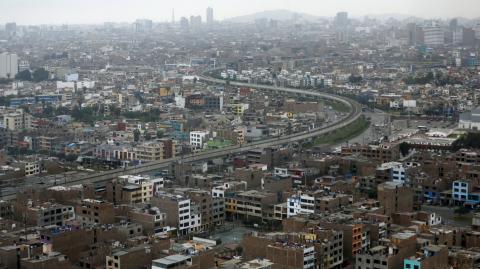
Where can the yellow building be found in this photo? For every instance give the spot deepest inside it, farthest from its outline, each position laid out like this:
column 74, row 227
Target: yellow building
column 165, row 91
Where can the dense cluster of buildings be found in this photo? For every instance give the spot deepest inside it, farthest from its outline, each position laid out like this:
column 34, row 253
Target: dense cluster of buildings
column 119, row 96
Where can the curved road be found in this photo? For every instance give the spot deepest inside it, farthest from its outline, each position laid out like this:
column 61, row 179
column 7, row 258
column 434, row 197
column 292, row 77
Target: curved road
column 102, row 177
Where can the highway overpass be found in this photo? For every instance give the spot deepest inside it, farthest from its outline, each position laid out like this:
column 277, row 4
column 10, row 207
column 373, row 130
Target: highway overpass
column 101, row 178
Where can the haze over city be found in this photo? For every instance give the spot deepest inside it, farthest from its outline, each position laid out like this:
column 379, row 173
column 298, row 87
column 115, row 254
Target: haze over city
column 92, row 11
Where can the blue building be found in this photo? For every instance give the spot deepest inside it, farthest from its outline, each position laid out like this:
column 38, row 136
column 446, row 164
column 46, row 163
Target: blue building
column 48, row 98
column 15, row 102
column 462, row 194
column 411, row 264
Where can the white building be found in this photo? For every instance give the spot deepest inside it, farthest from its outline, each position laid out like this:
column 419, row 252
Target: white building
column 158, row 184
column 85, row 84
column 17, row 121
column 66, row 85
column 219, row 191
column 433, row 36
column 8, row 65
column 397, row 171
column 71, row 77
column 189, row 220
column 32, row 168
column 198, row 138
column 280, row 171
column 179, row 101
column 470, row 120
column 300, row 204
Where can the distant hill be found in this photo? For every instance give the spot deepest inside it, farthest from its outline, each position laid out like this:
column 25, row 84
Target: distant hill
column 280, row 15
column 386, row 16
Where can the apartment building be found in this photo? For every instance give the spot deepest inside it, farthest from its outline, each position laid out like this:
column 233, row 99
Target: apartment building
column 204, row 201
column 316, row 203
column 95, row 212
column 329, row 247
column 251, row 204
column 52, row 260
column 429, row 257
column 383, row 153
column 395, row 197
column 32, row 168
column 291, row 255
column 130, row 191
column 181, row 212
column 388, row 256
column 155, row 150
column 198, row 139
column 17, row 121
column 47, row 214
column 46, row 143
column 227, row 188
column 118, row 152
column 136, row 257
column 152, row 219
column 465, row 192
column 280, row 211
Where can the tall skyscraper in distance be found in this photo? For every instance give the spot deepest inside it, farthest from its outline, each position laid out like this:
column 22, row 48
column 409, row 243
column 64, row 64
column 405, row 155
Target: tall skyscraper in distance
column 8, row 65
column 209, row 15
column 184, row 23
column 341, row 20
column 195, row 22
column 453, row 23
column 173, row 15
column 11, row 28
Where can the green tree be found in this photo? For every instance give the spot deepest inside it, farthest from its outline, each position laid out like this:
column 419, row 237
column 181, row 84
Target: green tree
column 48, row 111
column 5, row 80
column 160, row 133
column 25, row 75
column 372, row 194
column 404, row 148
column 4, row 101
column 40, row 74
column 115, row 111
column 355, row 79
column 470, row 140
column 136, row 135
column 62, row 111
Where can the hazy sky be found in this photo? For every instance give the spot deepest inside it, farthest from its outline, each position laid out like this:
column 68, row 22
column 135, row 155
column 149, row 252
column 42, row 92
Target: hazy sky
column 94, row 11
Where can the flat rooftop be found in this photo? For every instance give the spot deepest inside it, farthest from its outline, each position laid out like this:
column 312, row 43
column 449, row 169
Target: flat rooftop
column 172, row 259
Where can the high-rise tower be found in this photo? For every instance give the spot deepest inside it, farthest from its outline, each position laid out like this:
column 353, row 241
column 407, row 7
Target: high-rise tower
column 209, row 15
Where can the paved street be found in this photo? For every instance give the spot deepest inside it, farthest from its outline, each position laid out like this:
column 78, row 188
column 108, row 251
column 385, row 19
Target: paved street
column 377, row 117
column 449, row 216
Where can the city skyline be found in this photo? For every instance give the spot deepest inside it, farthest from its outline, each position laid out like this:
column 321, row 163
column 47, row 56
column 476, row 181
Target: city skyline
column 29, row 12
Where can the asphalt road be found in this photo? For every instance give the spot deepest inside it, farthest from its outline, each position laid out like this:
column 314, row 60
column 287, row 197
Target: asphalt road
column 369, row 135
column 448, row 215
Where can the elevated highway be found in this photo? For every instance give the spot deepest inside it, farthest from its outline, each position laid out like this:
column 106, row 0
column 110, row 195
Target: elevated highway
column 100, row 178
